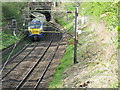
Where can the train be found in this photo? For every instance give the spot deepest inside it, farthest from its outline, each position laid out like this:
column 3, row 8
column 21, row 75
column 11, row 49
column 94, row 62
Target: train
column 35, row 26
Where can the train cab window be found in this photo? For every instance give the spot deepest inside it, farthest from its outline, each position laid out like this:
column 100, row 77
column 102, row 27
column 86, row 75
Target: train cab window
column 35, row 25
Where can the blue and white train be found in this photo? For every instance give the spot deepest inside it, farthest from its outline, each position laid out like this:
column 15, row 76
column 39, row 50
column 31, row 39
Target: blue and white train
column 35, row 26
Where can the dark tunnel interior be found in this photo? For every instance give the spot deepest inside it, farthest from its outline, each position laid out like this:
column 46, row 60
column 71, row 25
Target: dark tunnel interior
column 46, row 13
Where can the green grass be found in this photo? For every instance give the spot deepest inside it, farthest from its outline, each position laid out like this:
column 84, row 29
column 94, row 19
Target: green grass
column 65, row 23
column 3, row 23
column 67, row 59
column 65, row 63
column 114, row 85
column 7, row 40
column 19, row 47
column 10, row 10
column 106, row 11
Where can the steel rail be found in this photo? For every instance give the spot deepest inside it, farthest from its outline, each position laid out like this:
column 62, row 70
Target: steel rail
column 46, row 68
column 31, row 69
column 15, row 45
column 19, row 52
column 48, row 23
column 19, row 62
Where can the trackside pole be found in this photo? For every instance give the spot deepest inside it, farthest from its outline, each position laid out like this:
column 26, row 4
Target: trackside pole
column 75, row 39
column 75, row 33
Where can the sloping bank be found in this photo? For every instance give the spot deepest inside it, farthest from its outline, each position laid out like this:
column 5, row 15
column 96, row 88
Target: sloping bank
column 67, row 60
column 97, row 58
column 10, row 10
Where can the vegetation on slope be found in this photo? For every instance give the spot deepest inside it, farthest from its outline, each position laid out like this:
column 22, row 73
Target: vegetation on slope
column 97, row 52
column 10, row 10
column 108, row 12
column 67, row 60
column 7, row 40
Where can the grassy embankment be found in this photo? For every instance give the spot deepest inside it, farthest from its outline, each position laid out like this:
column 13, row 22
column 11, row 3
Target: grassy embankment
column 67, row 59
column 106, row 42
column 19, row 47
column 10, row 10
column 97, row 54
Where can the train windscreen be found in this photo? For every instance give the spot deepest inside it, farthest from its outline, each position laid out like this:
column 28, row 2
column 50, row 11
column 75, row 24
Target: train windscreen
column 34, row 25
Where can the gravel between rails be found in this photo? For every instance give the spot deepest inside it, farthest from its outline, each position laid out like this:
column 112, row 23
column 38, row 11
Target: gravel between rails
column 17, row 59
column 56, row 61
column 17, row 74
column 39, row 69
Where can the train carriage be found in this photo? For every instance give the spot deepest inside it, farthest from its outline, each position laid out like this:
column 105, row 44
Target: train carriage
column 35, row 27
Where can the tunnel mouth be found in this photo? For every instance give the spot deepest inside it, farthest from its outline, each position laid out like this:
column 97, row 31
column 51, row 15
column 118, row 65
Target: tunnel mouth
column 46, row 13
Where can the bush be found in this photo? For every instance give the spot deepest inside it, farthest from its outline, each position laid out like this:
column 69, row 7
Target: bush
column 12, row 9
column 106, row 11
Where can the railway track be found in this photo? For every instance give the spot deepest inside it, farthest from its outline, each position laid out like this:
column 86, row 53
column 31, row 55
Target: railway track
column 28, row 71
column 18, row 62
column 23, row 61
column 14, row 56
column 38, row 73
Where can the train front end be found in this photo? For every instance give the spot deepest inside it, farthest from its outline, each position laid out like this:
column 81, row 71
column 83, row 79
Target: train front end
column 35, row 30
